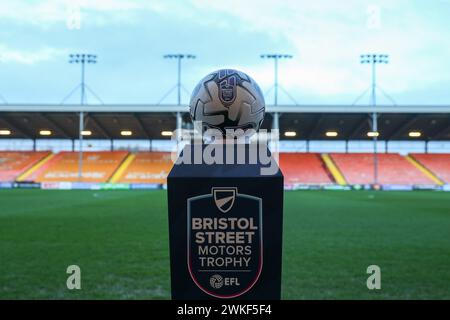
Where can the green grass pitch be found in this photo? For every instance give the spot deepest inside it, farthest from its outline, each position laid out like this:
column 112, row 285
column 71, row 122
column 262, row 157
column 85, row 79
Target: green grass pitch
column 120, row 241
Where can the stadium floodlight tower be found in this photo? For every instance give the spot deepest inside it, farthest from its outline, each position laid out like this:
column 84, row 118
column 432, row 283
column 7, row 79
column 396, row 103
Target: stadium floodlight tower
column 178, row 57
column 276, row 57
column 374, row 59
column 82, row 59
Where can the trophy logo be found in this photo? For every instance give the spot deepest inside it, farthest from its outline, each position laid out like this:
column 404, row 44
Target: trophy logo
column 224, row 242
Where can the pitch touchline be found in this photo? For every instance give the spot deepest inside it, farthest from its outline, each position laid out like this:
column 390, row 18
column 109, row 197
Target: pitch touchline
column 224, row 270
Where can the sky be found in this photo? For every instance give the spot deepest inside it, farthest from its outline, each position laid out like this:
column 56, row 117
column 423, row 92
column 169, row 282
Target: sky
column 130, row 38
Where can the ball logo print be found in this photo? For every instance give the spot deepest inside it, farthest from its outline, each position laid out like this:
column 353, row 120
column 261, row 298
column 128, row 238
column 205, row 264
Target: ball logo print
column 224, row 242
column 227, row 99
column 227, row 86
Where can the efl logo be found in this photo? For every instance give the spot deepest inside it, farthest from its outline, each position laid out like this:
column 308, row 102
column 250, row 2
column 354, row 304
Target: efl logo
column 216, row 281
column 225, row 244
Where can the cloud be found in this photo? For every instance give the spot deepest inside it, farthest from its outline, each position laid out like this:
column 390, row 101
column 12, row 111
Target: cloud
column 327, row 38
column 46, row 13
column 8, row 54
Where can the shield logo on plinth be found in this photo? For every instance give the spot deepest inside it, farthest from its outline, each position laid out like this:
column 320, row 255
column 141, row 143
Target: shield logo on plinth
column 224, row 198
column 224, row 242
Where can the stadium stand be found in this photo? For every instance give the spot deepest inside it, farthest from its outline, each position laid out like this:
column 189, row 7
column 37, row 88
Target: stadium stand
column 305, row 168
column 438, row 164
column 153, row 167
column 13, row 164
column 97, row 167
column 394, row 169
column 147, row 167
column 333, row 169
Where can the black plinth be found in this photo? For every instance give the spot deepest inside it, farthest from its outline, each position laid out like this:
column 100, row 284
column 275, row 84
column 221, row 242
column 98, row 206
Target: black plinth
column 225, row 226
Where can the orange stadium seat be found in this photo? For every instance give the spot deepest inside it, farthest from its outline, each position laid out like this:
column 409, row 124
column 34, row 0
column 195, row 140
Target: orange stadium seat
column 439, row 164
column 393, row 169
column 97, row 167
column 148, row 167
column 12, row 164
column 304, row 168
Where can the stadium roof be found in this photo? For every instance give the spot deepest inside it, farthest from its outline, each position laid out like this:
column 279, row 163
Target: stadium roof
column 148, row 122
column 341, row 108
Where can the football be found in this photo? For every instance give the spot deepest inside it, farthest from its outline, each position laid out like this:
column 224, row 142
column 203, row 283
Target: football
column 227, row 99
